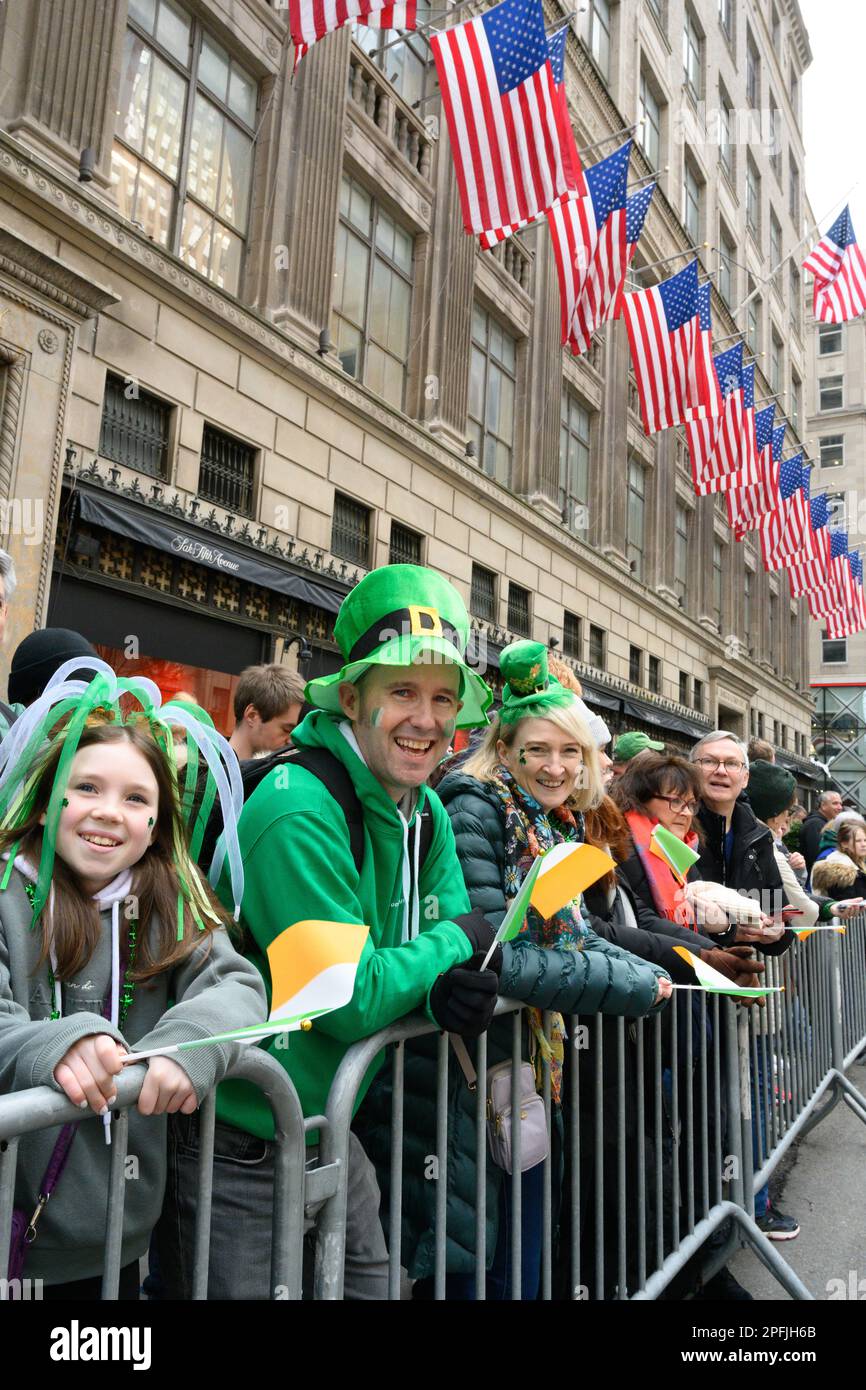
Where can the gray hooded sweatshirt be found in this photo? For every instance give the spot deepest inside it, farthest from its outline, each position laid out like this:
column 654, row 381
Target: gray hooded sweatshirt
column 213, row 990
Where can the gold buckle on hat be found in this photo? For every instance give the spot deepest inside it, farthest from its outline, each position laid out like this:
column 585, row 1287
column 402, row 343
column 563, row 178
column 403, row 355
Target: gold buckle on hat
column 424, row 622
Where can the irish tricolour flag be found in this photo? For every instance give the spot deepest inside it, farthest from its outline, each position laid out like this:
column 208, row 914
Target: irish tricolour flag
column 717, row 983
column 556, row 878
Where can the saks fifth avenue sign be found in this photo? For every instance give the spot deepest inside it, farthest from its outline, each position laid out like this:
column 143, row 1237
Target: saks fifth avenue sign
column 206, row 554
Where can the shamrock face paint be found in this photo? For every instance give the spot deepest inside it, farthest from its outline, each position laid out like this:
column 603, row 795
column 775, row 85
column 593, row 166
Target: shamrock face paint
column 448, row 728
column 376, row 717
column 521, row 757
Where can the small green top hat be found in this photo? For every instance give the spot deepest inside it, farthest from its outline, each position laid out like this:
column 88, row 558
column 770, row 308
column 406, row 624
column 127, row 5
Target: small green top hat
column 403, row 615
column 530, row 689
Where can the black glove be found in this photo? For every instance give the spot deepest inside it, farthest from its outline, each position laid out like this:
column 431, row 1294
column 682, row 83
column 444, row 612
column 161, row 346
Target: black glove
column 476, row 926
column 463, row 999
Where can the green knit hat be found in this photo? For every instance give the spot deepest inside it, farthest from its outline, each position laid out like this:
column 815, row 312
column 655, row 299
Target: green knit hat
column 530, row 690
column 771, row 788
column 403, row 615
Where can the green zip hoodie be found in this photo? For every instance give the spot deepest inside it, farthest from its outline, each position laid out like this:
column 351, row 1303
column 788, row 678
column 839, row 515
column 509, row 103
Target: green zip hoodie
column 298, row 866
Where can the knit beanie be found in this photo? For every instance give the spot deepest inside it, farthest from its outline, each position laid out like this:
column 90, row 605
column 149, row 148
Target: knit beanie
column 771, row 788
column 38, row 657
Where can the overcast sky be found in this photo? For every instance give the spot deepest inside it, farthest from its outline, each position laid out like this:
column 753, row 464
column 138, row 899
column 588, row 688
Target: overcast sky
column 834, row 109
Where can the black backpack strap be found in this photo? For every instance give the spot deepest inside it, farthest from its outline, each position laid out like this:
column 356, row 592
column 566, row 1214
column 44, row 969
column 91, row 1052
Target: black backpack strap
column 335, row 777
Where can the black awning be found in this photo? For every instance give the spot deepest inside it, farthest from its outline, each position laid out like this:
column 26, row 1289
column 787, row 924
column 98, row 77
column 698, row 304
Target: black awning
column 808, row 774
column 594, row 696
column 662, row 719
column 151, row 528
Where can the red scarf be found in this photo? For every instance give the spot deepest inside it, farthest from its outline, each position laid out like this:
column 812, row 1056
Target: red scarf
column 667, row 893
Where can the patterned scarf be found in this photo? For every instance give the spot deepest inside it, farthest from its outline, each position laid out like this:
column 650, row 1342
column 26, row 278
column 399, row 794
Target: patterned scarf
column 667, row 894
column 529, row 831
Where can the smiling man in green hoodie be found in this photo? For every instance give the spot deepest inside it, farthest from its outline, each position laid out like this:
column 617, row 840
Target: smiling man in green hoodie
column 386, row 719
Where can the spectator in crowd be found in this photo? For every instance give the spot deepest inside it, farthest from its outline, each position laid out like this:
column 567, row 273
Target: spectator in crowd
column 760, row 748
column 528, row 787
column 597, row 727
column 378, row 728
column 36, row 659
column 829, row 806
column 8, row 584
column 840, row 868
column 267, row 706
column 628, row 746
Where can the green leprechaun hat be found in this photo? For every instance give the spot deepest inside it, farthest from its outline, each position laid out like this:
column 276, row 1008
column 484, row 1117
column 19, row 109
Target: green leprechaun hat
column 403, row 615
column 530, row 689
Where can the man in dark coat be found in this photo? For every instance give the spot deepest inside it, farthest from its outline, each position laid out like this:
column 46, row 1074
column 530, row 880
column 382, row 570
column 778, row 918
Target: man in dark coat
column 829, row 806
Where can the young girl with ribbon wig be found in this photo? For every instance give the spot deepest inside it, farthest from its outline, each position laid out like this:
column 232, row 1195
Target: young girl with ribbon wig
column 110, row 942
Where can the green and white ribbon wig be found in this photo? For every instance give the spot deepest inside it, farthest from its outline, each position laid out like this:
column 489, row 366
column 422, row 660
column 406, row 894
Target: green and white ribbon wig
column 76, row 701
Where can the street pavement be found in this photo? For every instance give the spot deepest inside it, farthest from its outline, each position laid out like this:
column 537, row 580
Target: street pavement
column 822, row 1182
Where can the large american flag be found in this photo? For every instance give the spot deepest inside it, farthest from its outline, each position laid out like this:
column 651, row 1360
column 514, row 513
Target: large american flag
column 830, row 597
column 667, row 351
column 715, row 442
column 839, row 268
column 783, row 529
column 850, row 617
column 705, row 347
column 310, row 20
column 808, row 569
column 749, row 502
column 500, row 103
column 574, row 171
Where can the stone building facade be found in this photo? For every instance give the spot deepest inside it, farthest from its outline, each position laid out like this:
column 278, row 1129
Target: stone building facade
column 280, row 360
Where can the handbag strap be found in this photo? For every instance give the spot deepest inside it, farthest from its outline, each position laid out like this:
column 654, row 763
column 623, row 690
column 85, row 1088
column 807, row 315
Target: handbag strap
column 461, row 1052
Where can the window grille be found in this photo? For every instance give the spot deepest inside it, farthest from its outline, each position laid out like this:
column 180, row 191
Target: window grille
column 405, row 547
column 518, row 610
column 134, row 428
column 226, row 476
column 350, row 531
column 571, row 636
column 482, row 600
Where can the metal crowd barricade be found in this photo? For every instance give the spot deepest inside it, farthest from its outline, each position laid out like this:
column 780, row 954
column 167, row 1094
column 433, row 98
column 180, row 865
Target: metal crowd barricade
column 673, row 1124
column 42, row 1108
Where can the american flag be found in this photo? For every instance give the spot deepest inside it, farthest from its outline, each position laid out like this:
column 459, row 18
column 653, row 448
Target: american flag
column 715, row 442
column 310, row 20
column 851, row 616
column 705, row 347
column 574, row 170
column 783, row 529
column 808, row 569
column 500, row 103
column 839, row 268
column 590, row 239
column 831, row 596
column 667, row 352
column 747, row 504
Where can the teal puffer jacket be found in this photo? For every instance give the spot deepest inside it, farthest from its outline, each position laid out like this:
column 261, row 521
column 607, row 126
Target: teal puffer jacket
column 599, row 978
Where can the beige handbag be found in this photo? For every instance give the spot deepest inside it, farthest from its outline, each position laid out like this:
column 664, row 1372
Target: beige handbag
column 534, row 1139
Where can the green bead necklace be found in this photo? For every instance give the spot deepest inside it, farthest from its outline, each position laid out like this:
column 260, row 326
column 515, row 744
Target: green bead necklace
column 127, row 991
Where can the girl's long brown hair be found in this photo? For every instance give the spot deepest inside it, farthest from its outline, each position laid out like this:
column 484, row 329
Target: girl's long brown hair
column 155, row 883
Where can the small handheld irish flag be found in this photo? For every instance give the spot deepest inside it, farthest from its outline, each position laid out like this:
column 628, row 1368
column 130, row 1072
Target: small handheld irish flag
column 802, row 932
column 717, row 983
column 557, row 877
column 313, row 966
column 673, row 851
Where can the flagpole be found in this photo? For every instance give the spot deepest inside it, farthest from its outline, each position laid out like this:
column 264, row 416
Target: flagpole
column 626, row 130
column 692, row 251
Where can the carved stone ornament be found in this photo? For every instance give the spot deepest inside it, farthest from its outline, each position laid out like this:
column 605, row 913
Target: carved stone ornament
column 272, row 46
column 48, row 341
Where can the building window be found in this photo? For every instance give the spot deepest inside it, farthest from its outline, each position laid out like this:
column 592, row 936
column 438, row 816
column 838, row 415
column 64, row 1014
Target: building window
column 726, row 140
column 753, row 74
column 599, row 34
column 775, row 150
column 783, row 739
column 681, row 553
column 776, row 251
column 796, row 299
column 753, row 199
column 726, row 18
column 372, row 293
column 794, row 194
column 829, row 339
column 573, row 462
column 405, row 546
column 518, row 610
column 773, row 624
column 834, row 651
column 596, row 646
column 134, row 428
column 776, row 358
column 571, row 635
column 227, row 472
column 830, row 389
column 693, row 42
column 404, row 63
column 656, row 7
column 350, row 531
column 832, row 448
column 684, row 688
column 649, row 123
column 636, row 517
column 184, row 178
column 482, row 599
column 491, row 395
column 717, row 584
column 698, row 701
column 760, row 725
column 691, row 203
column 775, row 733
column 796, row 401
column 753, row 319
column 654, row 675
column 727, row 266
column 635, row 665
column 747, row 611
